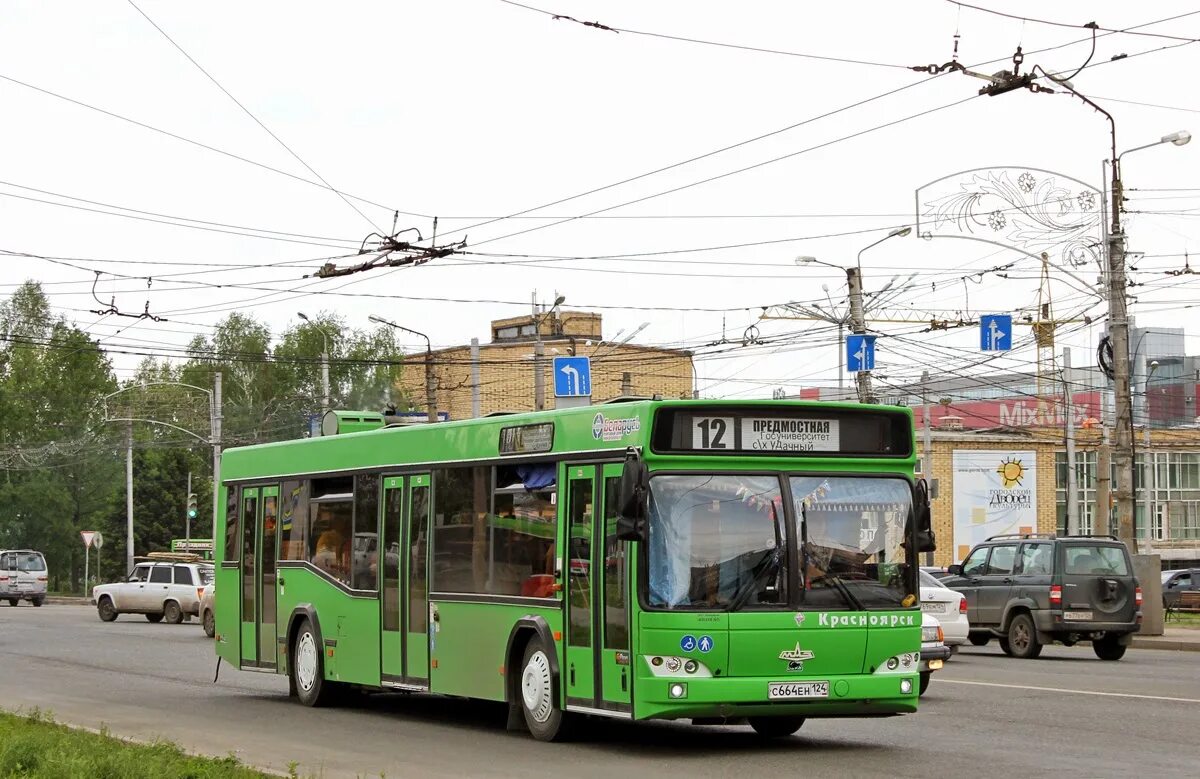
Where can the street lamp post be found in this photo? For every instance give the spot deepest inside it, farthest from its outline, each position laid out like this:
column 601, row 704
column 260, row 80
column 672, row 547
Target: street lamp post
column 1118, row 324
column 430, row 388
column 539, row 353
column 324, row 367
column 857, row 319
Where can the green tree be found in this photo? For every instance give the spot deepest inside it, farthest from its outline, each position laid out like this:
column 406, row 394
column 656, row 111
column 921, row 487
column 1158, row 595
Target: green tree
column 57, row 454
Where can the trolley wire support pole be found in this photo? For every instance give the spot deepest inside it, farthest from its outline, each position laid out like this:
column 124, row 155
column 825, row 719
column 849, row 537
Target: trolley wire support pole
column 858, row 326
column 927, row 443
column 129, row 496
column 216, row 447
column 430, row 381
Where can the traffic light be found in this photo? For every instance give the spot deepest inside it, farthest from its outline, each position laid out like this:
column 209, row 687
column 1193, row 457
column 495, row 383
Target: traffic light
column 191, row 510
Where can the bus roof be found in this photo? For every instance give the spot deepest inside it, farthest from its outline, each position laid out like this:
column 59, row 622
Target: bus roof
column 603, row 429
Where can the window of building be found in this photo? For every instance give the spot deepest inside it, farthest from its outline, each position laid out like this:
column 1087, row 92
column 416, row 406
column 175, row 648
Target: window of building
column 293, row 520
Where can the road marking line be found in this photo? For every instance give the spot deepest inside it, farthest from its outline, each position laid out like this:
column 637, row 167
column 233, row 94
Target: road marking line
column 1074, row 692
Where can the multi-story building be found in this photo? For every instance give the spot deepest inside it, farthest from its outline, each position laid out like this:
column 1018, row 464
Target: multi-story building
column 1015, row 480
column 479, row 379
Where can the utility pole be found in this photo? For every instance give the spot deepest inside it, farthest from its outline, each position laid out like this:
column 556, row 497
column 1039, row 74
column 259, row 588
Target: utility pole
column 1118, row 329
column 216, row 445
column 324, row 367
column 927, row 444
column 475, row 401
column 430, row 381
column 187, row 512
column 539, row 379
column 129, row 497
column 858, row 326
column 1069, row 424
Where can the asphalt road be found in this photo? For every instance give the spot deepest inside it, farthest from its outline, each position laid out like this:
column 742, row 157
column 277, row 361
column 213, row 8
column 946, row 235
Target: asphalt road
column 984, row 715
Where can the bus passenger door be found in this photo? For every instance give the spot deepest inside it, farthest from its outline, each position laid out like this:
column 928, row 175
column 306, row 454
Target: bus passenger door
column 267, row 521
column 611, row 582
column 391, row 651
column 249, row 575
column 414, row 551
column 580, row 670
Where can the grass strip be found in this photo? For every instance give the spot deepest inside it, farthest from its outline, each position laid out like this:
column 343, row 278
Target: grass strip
column 33, row 746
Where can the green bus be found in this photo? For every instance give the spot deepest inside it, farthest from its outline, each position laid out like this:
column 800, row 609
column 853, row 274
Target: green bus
column 721, row 562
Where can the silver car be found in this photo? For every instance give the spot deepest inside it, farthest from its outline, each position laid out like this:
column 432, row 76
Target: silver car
column 207, row 615
column 162, row 587
column 23, row 576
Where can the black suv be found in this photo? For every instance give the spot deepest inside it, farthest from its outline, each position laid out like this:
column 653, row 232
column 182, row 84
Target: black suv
column 1033, row 589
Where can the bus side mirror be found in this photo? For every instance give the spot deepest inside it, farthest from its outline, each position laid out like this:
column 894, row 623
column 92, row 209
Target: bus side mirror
column 923, row 515
column 632, row 493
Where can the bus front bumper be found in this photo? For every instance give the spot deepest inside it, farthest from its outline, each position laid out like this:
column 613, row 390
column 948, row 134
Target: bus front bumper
column 841, row 696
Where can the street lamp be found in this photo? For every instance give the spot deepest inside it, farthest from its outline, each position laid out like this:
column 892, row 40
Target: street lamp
column 324, row 365
column 430, row 390
column 539, row 380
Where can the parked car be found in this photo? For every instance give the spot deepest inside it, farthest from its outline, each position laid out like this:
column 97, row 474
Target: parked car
column 1033, row 589
column 1176, row 581
column 934, row 651
column 162, row 586
column 23, row 576
column 207, row 615
column 948, row 606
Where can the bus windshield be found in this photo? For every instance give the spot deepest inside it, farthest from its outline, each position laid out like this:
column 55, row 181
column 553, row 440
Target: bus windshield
column 717, row 542
column 853, row 551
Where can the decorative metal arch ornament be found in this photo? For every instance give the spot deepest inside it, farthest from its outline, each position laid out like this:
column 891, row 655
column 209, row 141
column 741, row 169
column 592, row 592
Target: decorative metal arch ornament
column 1027, row 209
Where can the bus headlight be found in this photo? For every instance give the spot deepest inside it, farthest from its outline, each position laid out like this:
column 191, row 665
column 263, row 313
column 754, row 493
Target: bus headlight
column 666, row 665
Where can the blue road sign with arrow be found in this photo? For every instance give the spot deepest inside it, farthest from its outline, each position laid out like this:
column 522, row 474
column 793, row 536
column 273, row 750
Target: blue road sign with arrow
column 572, row 377
column 995, row 332
column 860, row 353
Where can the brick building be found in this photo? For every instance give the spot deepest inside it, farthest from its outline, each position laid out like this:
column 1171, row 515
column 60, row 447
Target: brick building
column 506, row 366
column 1167, row 507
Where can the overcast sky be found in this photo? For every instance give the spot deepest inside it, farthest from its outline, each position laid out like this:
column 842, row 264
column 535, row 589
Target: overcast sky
column 473, row 110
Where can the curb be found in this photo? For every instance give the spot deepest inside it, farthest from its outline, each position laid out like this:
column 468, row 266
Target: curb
column 68, row 600
column 1166, row 643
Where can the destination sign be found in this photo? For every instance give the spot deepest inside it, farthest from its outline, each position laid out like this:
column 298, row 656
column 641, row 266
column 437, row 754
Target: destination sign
column 795, row 431
column 527, row 439
column 790, row 435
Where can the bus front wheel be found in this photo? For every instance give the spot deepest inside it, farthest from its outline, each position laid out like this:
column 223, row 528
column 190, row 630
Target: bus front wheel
column 307, row 671
column 545, row 720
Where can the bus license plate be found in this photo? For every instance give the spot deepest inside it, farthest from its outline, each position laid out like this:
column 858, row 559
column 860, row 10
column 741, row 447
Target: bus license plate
column 1077, row 616
column 778, row 690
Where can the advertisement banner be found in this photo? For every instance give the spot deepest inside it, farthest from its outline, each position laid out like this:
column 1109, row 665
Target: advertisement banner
column 995, row 492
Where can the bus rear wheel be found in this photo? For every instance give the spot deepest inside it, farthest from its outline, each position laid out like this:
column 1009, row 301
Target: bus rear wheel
column 776, row 727
column 307, row 669
column 545, row 720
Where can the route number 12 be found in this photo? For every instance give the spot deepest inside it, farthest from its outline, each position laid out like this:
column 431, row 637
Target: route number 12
column 713, row 433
